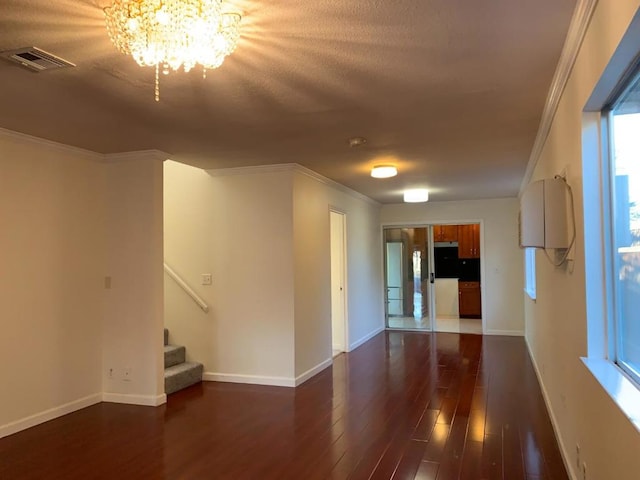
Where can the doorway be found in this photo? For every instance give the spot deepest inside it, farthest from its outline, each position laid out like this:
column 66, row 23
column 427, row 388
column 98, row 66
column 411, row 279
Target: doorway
column 337, row 228
column 432, row 278
column 408, row 293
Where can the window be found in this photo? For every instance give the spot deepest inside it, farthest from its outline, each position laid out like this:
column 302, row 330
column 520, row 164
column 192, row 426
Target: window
column 530, row 272
column 624, row 226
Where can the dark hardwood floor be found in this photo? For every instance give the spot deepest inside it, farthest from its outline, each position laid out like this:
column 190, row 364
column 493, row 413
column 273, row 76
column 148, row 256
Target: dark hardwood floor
column 403, row 406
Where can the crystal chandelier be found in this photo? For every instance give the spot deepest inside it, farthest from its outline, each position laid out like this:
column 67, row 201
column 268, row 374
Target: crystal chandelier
column 169, row 34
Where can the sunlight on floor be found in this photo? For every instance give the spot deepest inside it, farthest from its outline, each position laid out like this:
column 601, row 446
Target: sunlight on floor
column 459, row 325
column 409, row 323
column 443, row 324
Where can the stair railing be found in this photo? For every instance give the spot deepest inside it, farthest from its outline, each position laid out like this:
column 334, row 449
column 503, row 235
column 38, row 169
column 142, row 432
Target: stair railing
column 188, row 290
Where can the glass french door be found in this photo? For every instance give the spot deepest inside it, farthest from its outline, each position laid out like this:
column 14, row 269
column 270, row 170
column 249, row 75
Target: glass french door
column 409, row 277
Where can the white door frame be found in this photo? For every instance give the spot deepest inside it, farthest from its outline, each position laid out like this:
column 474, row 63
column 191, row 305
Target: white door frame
column 430, row 223
column 339, row 339
column 431, row 289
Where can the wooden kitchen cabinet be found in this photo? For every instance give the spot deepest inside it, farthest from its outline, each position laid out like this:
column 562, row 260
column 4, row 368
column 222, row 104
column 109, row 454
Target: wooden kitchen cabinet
column 469, row 241
column 469, row 299
column 445, row 233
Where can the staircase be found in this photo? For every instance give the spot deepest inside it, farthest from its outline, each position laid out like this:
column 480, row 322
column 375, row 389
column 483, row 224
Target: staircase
column 178, row 374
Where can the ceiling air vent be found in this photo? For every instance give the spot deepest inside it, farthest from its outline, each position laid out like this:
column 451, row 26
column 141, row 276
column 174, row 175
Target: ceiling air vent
column 35, row 59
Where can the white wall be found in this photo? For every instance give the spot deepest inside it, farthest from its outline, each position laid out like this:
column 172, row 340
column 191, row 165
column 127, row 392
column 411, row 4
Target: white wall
column 556, row 323
column 312, row 273
column 239, row 228
column 501, row 261
column 188, row 235
column 252, row 269
column 69, row 219
column 134, row 307
column 313, row 198
column 365, row 283
column 264, row 235
column 51, row 280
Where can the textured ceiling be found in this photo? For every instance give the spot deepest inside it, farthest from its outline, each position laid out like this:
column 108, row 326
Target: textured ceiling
column 451, row 91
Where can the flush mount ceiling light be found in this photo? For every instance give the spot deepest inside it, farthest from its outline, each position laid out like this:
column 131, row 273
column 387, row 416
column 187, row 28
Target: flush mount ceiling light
column 173, row 34
column 384, row 171
column 416, row 195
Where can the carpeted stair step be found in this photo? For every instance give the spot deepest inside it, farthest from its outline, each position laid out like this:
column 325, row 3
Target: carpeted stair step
column 173, row 355
column 166, row 336
column 182, row 376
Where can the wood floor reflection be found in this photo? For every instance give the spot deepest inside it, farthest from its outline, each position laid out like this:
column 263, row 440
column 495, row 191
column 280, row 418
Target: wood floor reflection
column 406, row 405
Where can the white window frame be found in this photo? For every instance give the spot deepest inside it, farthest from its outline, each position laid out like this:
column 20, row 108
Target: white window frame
column 598, row 233
column 609, row 205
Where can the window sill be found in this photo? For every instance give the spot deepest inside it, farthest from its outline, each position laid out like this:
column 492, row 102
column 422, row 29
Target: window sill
column 623, row 391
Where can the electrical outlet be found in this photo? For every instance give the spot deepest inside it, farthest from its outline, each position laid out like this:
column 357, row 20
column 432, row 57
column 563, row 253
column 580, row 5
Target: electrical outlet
column 126, row 374
column 578, row 463
column 206, row 279
column 584, row 471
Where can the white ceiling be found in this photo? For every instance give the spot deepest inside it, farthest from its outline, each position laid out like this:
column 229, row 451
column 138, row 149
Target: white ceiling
column 451, row 91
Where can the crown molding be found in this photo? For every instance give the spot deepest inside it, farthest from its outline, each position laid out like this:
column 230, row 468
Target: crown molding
column 91, row 155
column 254, row 170
column 23, row 137
column 332, row 183
column 136, row 155
column 291, row 167
column 575, row 36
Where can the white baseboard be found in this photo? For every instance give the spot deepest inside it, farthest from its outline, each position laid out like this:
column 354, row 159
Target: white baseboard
column 554, row 422
column 38, row 418
column 506, row 333
column 365, row 339
column 300, row 379
column 144, row 400
column 264, row 380
column 249, row 379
